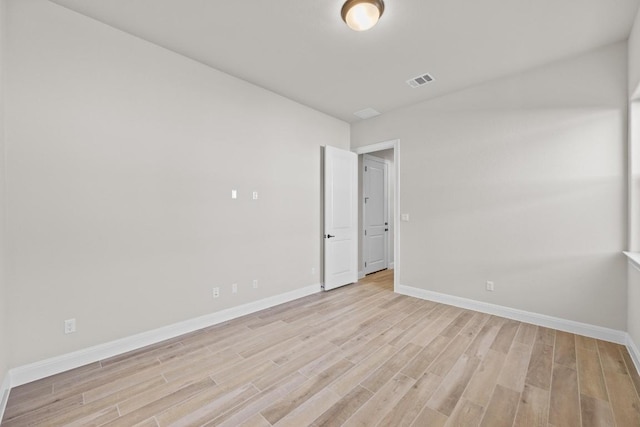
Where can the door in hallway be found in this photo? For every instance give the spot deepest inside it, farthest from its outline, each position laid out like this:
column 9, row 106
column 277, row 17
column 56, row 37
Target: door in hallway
column 375, row 215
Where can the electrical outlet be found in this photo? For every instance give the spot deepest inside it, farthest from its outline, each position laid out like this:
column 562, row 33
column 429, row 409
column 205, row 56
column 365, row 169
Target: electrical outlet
column 255, row 283
column 489, row 286
column 234, row 194
column 255, row 195
column 234, row 288
column 69, row 326
column 216, row 292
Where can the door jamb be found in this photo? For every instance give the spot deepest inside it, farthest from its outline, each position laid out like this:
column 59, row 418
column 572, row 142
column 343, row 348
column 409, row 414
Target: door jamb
column 395, row 145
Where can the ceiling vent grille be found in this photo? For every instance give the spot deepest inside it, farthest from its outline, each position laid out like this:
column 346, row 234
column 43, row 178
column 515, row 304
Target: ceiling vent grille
column 420, row 80
column 367, row 113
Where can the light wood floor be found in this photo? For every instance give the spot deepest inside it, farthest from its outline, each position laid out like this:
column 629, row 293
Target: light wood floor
column 356, row 356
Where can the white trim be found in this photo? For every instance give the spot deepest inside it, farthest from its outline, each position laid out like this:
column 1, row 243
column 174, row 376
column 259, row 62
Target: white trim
column 361, row 274
column 5, row 388
column 35, row 371
column 634, row 352
column 376, row 147
column 598, row 332
column 395, row 144
column 391, row 264
column 634, row 259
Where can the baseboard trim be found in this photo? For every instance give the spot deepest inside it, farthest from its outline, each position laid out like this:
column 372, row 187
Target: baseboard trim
column 634, row 352
column 598, row 332
column 5, row 388
column 391, row 266
column 38, row 370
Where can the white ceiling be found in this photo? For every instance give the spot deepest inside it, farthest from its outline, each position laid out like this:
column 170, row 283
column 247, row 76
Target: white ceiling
column 301, row 49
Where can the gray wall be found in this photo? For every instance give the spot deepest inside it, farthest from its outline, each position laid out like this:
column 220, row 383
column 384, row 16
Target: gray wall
column 634, row 58
column 521, row 181
column 123, row 156
column 633, row 319
column 4, row 345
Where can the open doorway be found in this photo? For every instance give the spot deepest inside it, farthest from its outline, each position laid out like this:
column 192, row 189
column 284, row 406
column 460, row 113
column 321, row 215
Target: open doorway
column 389, row 153
column 375, row 229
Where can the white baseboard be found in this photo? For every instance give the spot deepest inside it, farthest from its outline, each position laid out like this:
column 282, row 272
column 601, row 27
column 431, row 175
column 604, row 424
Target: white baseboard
column 35, row 371
column 634, row 352
column 598, row 332
column 391, row 266
column 5, row 388
column 361, row 274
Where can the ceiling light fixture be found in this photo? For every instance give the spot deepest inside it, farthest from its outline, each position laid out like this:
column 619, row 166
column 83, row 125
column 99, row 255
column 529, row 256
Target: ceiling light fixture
column 360, row 15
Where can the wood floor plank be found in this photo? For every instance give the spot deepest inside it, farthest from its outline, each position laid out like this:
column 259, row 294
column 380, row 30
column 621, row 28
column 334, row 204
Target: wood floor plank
column 466, row 414
column 595, row 412
column 161, row 404
column 526, row 334
column 429, row 417
column 565, row 349
column 343, row 409
column 306, row 413
column 483, row 340
column 279, row 409
column 84, row 411
column 411, row 404
column 623, row 399
column 258, row 402
column 540, row 364
column 456, row 326
column 631, row 369
column 453, row 385
column 206, row 406
column 533, row 409
column 502, row 408
column 418, row 366
column 445, row 361
column 480, row 388
column 390, row 368
column 381, row 403
column 590, row 373
column 351, row 379
column 514, row 371
column 505, row 336
column 611, row 358
column 565, row 397
column 255, row 421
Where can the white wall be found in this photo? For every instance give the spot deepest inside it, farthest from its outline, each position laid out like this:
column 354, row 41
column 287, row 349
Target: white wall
column 633, row 319
column 3, row 284
column 521, row 181
column 122, row 158
column 634, row 58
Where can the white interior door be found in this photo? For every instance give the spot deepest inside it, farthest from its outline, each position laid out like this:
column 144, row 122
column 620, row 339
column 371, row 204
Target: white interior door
column 376, row 222
column 340, row 218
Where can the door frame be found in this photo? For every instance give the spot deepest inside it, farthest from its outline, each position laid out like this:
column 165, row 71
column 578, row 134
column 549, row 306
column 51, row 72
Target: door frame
column 387, row 210
column 395, row 145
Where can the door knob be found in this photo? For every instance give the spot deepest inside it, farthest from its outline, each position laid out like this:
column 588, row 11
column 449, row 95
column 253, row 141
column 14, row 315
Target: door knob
column 328, row 236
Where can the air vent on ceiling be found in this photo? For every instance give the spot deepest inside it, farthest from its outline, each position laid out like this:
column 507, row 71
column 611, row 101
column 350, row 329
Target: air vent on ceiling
column 420, row 80
column 367, row 113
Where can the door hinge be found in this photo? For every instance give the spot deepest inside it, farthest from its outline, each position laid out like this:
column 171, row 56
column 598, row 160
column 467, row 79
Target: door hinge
column 366, row 168
column 365, row 232
column 365, row 264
